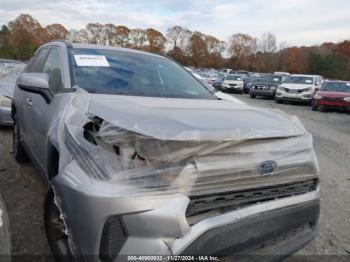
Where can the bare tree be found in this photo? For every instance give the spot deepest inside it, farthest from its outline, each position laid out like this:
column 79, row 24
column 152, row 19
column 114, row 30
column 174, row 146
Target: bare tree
column 179, row 38
column 122, row 36
column 96, row 33
column 267, row 43
column 78, row 36
column 137, row 38
column 110, row 31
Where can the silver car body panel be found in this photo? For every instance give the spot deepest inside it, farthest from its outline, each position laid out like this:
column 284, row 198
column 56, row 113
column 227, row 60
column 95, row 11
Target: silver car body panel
column 149, row 156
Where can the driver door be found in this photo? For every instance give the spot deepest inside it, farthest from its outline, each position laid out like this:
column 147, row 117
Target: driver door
column 42, row 114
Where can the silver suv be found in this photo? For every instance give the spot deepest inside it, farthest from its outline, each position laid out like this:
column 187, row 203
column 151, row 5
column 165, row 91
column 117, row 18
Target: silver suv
column 142, row 159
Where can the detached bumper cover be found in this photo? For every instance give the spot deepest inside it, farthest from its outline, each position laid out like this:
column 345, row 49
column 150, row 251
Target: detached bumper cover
column 289, row 228
column 158, row 225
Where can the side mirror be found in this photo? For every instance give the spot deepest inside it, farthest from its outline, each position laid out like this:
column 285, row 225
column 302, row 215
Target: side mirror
column 316, row 89
column 36, row 83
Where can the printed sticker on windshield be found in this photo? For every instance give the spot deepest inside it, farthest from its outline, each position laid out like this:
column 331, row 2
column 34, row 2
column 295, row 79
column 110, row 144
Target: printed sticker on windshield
column 91, row 60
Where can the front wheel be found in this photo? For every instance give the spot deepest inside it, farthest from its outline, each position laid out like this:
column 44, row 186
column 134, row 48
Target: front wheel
column 56, row 231
column 314, row 106
column 252, row 96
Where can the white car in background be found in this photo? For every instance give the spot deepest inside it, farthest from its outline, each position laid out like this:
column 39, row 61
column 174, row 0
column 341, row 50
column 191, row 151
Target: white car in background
column 233, row 83
column 298, row 88
column 219, row 95
column 9, row 70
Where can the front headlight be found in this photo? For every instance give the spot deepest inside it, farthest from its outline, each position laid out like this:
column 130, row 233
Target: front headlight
column 5, row 101
column 309, row 89
column 273, row 87
column 317, row 96
column 347, row 99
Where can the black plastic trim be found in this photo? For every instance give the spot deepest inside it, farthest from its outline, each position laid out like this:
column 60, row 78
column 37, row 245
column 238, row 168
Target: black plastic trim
column 45, row 93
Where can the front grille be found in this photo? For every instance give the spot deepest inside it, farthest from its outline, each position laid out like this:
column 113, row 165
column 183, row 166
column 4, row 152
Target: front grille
column 333, row 99
column 261, row 87
column 113, row 239
column 236, row 199
column 294, row 91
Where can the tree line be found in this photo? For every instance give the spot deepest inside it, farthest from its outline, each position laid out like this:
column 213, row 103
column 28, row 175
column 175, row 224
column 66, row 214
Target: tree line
column 21, row 37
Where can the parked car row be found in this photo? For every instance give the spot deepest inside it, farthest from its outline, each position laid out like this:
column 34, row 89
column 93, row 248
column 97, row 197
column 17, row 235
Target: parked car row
column 282, row 87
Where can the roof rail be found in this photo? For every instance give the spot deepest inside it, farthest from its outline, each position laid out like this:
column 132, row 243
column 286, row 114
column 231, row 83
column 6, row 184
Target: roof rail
column 67, row 42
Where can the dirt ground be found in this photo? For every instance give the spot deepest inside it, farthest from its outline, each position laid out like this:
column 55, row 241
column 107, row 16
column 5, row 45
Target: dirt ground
column 24, row 190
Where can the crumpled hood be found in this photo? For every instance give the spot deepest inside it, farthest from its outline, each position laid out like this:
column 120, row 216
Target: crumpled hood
column 192, row 119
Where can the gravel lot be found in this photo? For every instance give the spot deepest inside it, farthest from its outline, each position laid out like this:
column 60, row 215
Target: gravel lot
column 24, row 190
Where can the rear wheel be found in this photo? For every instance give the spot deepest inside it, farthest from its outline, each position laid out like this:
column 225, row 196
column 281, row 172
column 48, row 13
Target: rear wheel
column 18, row 149
column 56, row 230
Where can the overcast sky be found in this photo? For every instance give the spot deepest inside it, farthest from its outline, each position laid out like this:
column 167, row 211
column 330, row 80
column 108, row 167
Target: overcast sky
column 296, row 22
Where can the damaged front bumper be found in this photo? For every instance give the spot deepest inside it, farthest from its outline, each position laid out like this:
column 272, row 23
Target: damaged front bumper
column 106, row 226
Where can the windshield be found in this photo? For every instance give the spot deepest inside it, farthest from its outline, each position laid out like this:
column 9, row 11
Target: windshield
column 124, row 73
column 336, row 86
column 233, row 77
column 299, row 80
column 275, row 79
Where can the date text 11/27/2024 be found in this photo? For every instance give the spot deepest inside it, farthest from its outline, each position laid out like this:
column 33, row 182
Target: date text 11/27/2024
column 172, row 258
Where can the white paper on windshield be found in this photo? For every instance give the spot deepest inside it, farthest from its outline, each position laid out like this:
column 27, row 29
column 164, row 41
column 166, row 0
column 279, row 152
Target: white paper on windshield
column 275, row 79
column 91, row 60
column 308, row 81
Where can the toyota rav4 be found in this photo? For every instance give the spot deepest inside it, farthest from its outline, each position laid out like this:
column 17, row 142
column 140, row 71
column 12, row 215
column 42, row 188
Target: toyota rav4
column 142, row 159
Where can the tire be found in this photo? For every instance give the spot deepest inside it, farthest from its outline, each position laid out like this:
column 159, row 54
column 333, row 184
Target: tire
column 19, row 152
column 279, row 101
column 55, row 231
column 252, row 96
column 314, row 107
column 5, row 235
column 322, row 108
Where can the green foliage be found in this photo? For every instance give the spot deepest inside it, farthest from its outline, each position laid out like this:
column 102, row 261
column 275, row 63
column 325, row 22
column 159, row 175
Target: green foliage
column 330, row 66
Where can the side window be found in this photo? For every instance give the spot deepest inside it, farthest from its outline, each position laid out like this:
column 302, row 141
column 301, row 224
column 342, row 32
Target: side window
column 38, row 61
column 52, row 67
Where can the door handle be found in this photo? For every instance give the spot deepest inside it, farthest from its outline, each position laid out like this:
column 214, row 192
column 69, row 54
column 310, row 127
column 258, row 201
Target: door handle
column 29, row 102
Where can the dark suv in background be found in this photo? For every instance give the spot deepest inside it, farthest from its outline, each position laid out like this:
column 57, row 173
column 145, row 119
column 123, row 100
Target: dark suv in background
column 265, row 86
